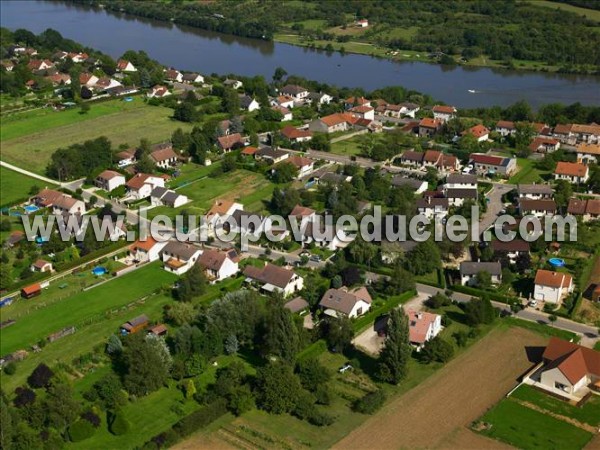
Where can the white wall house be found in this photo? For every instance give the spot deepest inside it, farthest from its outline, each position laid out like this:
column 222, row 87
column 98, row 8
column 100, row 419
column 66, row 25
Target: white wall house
column 146, row 251
column 179, row 257
column 551, row 286
column 109, row 180
column 346, row 303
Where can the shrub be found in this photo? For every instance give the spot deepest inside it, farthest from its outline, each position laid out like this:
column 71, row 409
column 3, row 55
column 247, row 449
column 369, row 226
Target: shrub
column 119, row 425
column 81, row 430
column 10, row 368
column 370, row 402
column 40, row 377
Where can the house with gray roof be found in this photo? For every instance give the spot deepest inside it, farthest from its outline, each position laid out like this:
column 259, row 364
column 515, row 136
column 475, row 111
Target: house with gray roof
column 470, row 269
column 346, row 303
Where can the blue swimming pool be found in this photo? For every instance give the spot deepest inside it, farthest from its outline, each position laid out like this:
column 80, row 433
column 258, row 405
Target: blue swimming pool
column 31, row 208
column 557, row 262
column 99, row 271
column 41, row 240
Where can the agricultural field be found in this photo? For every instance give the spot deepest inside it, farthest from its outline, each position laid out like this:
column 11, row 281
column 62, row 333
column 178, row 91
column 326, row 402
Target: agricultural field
column 452, row 398
column 29, row 139
column 15, row 186
column 80, row 309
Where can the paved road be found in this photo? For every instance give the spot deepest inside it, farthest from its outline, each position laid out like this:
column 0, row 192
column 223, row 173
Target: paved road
column 30, row 174
column 494, row 205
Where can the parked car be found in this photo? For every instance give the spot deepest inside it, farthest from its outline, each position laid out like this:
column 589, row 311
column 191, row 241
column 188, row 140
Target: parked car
column 315, row 258
column 304, row 253
column 533, row 303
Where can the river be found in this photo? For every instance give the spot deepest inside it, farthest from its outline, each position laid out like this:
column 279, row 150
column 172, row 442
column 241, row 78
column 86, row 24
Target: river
column 207, row 52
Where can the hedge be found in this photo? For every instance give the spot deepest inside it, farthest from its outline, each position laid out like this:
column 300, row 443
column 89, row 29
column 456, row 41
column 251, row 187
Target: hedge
column 119, row 424
column 201, row 418
column 480, row 293
column 360, row 323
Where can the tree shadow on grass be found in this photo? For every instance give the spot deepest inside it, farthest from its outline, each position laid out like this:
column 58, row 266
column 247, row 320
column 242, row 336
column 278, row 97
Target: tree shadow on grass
column 366, row 363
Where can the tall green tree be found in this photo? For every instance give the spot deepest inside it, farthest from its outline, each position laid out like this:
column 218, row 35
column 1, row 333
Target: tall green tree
column 146, row 365
column 394, row 358
column 192, row 284
column 280, row 332
column 277, row 388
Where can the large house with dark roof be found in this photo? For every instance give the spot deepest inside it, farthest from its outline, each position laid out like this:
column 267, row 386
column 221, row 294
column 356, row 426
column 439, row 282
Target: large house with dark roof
column 179, row 257
column 486, row 164
column 470, row 269
column 218, row 264
column 587, row 209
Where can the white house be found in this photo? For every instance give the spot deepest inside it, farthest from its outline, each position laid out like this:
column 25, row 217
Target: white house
column 295, row 91
column 221, row 210
column 568, row 369
column 192, row 78
column 304, row 165
column 538, row 208
column 320, row 98
column 125, row 66
column 315, row 231
column 535, row 191
column 284, row 101
column 363, row 112
column 461, row 181
column 146, row 250
column 141, row 185
column 470, row 269
column 161, row 196
column 233, row 84
column 346, row 303
column 588, row 153
column 174, row 75
column 551, row 287
column 248, row 103
column 444, row 113
column 42, row 265
column 158, row 91
column 218, row 265
column 572, row 172
column 286, row 114
column 512, row 249
column 294, row 134
column 273, row 278
column 362, row 23
column 164, row 156
column 125, row 158
column 179, row 257
column 109, row 180
column 422, row 327
column 58, row 202
column 505, row 128
column 433, row 206
column 479, row 132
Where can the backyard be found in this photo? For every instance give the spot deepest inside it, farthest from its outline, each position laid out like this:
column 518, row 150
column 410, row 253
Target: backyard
column 15, row 186
column 82, row 308
column 29, row 139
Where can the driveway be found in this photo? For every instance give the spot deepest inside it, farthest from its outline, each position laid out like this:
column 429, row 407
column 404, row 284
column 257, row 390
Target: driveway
column 494, row 205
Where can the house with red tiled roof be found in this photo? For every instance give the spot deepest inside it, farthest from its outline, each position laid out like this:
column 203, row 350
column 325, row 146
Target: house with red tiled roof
column 230, row 142
column 543, row 144
column 286, row 114
column 303, row 164
column 487, row 164
column 249, row 151
column 444, row 113
column 158, row 91
column 41, row 265
column 36, row 65
column 333, row 123
column 218, row 264
column 125, row 66
column 109, row 180
column 59, row 203
column 147, row 250
column 588, row 209
column 164, row 156
column 173, row 75
column 505, row 128
column 568, row 370
column 422, row 327
column 88, row 79
column 303, row 212
column 572, row 172
column 351, row 102
column 588, row 153
column 552, row 287
column 141, row 185
column 294, row 134
column 428, row 126
column 479, row 131
column 363, row 112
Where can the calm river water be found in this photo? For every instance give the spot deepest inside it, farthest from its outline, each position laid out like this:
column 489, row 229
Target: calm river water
column 207, row 52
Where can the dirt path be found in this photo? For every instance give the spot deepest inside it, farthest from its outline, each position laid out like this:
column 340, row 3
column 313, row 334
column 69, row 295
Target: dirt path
column 436, row 413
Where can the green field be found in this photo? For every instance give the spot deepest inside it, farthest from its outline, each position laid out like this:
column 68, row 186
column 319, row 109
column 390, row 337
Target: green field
column 528, row 173
column 29, row 139
column 348, row 147
column 588, row 413
column 81, row 309
column 15, row 186
column 525, row 428
column 244, row 186
column 591, row 14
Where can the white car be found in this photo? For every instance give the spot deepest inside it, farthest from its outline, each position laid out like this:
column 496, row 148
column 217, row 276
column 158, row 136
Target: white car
column 533, row 303
column 345, row 368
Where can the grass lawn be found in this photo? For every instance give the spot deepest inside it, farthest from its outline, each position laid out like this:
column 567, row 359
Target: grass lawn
column 15, row 186
column 29, row 139
column 83, row 308
column 348, row 147
column 591, row 14
column 244, row 186
column 525, row 428
column 589, row 413
column 527, row 173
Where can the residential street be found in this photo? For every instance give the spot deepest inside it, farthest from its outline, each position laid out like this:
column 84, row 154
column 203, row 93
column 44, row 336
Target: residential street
column 494, row 205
